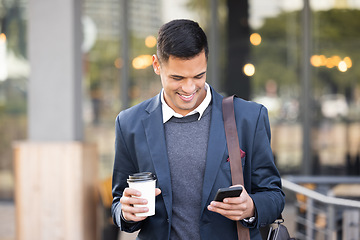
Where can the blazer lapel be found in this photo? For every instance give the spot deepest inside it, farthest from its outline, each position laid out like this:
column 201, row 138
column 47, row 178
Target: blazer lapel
column 154, row 131
column 216, row 148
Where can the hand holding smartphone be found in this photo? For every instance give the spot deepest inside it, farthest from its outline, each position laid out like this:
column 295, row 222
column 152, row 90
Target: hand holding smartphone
column 228, row 192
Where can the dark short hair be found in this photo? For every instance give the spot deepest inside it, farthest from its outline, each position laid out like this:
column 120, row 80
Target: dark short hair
column 181, row 38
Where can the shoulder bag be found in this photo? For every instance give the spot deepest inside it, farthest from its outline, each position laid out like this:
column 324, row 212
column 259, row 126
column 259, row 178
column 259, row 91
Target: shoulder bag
column 279, row 233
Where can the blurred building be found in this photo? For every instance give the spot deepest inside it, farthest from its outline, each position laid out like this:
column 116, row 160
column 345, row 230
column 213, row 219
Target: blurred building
column 144, row 17
column 277, row 56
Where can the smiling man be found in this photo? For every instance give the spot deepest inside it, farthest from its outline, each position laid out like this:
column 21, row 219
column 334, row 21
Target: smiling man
column 179, row 136
column 183, row 81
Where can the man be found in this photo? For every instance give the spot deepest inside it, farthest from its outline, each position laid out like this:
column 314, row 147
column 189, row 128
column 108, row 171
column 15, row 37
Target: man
column 179, row 136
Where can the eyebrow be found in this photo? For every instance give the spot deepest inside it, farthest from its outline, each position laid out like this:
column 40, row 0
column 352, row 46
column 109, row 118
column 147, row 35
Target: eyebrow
column 200, row 74
column 178, row 76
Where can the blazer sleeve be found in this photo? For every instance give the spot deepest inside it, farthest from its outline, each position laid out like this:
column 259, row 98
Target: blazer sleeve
column 266, row 191
column 123, row 166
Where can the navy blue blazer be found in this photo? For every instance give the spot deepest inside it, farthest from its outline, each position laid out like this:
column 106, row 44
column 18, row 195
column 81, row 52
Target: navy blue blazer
column 140, row 146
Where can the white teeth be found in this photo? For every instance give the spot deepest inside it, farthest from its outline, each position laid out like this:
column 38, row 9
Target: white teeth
column 187, row 96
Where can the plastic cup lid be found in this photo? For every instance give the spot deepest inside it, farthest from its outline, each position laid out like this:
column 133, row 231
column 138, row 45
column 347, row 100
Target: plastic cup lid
column 143, row 176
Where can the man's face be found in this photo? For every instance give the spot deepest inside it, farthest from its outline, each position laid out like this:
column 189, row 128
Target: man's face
column 183, row 81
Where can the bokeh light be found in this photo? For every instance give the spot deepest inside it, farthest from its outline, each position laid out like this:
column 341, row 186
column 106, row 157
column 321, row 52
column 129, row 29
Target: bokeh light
column 2, row 37
column 330, row 62
column 342, row 66
column 249, row 69
column 315, row 60
column 150, row 41
column 255, row 39
column 348, row 62
column 142, row 61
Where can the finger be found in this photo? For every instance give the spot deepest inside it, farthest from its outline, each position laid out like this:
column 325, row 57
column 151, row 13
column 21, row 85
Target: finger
column 157, row 191
column 132, row 210
column 133, row 201
column 231, row 214
column 132, row 217
column 227, row 206
column 129, row 212
column 128, row 192
column 244, row 196
column 233, row 200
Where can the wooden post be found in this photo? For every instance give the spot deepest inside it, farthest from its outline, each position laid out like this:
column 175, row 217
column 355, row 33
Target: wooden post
column 55, row 191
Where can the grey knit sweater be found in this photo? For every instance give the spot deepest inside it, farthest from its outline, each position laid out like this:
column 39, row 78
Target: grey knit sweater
column 187, row 140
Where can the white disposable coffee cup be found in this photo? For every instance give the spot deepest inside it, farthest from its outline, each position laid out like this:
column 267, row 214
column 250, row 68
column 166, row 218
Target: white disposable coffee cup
column 145, row 183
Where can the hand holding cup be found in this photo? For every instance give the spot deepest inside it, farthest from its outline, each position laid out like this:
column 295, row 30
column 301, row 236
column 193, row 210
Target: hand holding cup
column 138, row 201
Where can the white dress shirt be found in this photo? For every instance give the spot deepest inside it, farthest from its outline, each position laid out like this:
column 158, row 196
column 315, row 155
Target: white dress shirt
column 168, row 112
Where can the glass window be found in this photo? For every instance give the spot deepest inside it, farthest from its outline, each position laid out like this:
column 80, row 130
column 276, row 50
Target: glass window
column 277, row 55
column 275, row 41
column 336, row 83
column 274, row 67
column 14, row 73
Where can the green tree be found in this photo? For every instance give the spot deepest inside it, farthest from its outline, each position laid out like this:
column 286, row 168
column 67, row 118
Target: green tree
column 335, row 33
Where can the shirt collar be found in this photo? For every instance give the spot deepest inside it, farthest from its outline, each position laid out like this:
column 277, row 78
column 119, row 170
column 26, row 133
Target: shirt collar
column 168, row 112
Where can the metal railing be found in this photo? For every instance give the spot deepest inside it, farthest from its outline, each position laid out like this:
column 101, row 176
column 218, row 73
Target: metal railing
column 319, row 215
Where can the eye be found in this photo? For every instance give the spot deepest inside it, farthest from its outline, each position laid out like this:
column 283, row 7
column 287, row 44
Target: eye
column 199, row 76
column 177, row 78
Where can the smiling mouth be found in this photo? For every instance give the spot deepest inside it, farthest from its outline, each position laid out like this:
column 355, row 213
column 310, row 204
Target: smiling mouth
column 186, row 98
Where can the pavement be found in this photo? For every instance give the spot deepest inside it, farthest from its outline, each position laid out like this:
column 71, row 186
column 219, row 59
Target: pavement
column 7, row 223
column 7, row 220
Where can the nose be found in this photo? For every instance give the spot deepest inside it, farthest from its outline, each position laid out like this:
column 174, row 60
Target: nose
column 188, row 86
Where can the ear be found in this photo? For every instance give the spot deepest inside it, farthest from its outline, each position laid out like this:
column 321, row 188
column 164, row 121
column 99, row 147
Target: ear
column 156, row 64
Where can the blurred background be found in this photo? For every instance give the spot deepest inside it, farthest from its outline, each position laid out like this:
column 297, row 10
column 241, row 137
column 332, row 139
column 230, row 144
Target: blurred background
column 299, row 58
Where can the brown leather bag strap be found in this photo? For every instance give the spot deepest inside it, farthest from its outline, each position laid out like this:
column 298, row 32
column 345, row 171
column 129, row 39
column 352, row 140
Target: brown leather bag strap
column 232, row 140
column 234, row 154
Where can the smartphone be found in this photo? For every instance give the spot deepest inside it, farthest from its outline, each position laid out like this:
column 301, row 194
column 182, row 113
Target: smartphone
column 227, row 192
